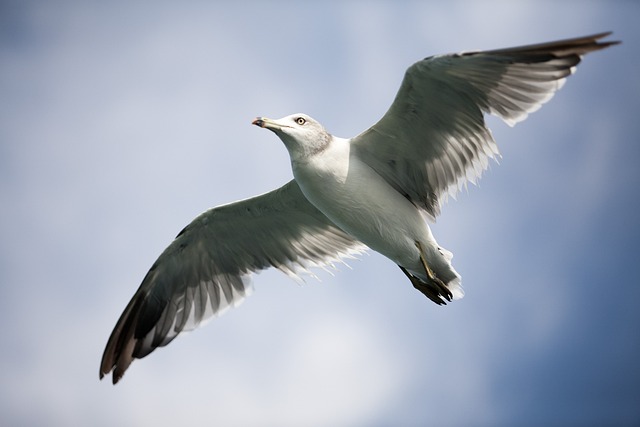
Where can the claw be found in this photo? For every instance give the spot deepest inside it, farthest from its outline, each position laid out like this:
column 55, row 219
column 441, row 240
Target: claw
column 423, row 287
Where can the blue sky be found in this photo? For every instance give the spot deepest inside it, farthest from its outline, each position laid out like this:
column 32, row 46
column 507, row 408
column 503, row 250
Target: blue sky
column 120, row 123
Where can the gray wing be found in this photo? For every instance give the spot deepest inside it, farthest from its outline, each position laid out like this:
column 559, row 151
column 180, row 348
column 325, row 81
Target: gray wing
column 433, row 139
column 204, row 270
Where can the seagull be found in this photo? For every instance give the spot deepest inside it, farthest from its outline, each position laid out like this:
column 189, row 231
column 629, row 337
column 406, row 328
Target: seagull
column 374, row 191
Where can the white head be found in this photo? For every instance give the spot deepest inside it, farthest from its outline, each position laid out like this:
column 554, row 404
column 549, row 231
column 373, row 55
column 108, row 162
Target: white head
column 302, row 135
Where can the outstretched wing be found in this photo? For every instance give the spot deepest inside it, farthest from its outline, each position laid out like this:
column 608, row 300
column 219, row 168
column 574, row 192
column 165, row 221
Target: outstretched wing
column 433, row 139
column 204, row 270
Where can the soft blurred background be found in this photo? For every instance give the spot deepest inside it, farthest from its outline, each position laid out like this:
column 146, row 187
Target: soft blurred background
column 122, row 121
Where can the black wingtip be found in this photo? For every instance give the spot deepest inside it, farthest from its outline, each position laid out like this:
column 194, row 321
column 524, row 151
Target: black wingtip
column 119, row 351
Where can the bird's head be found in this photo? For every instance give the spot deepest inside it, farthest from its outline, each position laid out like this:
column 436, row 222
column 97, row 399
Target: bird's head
column 302, row 135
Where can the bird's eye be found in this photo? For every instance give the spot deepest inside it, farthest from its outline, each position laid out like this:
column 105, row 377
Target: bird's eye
column 301, row 121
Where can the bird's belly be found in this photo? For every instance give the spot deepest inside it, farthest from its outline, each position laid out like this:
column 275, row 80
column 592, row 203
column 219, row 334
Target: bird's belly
column 364, row 205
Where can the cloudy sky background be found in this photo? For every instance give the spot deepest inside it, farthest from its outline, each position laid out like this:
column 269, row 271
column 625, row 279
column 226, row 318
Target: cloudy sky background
column 120, row 123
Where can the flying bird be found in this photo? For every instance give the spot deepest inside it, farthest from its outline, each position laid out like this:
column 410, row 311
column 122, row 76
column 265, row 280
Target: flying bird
column 376, row 190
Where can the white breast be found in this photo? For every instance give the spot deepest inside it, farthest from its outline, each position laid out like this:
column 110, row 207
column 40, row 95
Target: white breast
column 362, row 203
